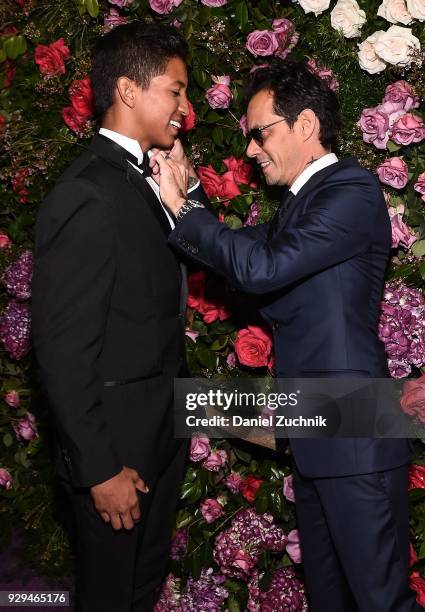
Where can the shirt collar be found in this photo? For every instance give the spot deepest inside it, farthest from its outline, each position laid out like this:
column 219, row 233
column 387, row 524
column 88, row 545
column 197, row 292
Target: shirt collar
column 307, row 173
column 129, row 144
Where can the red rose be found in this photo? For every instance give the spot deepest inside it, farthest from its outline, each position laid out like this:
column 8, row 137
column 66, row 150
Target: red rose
column 50, row 59
column 210, row 180
column 413, row 398
column 417, row 583
column 20, row 182
column 413, row 557
column 211, row 312
column 253, row 346
column 9, row 74
column 196, row 285
column 81, row 97
column 188, row 122
column 242, row 171
column 2, row 122
column 228, row 188
column 210, row 308
column 73, row 120
column 249, row 487
column 416, row 477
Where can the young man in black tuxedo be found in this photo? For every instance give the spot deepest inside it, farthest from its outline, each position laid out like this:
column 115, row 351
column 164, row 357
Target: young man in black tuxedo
column 108, row 322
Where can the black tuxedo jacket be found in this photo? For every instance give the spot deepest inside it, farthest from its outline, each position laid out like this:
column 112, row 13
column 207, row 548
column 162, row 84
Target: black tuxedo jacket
column 108, row 318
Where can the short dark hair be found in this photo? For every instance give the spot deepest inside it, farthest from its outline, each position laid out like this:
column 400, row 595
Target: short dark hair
column 137, row 50
column 294, row 88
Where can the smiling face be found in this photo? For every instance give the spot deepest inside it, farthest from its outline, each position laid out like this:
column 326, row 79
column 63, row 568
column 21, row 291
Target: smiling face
column 157, row 111
column 282, row 156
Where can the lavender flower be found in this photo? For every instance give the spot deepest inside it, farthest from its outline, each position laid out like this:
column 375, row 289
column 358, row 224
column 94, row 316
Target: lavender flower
column 15, row 325
column 204, row 594
column 179, row 545
column 169, row 600
column 252, row 218
column 237, row 549
column 402, row 328
column 286, row 593
column 18, row 275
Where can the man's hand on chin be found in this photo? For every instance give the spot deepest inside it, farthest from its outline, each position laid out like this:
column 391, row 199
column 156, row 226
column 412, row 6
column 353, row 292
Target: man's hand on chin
column 116, row 499
column 173, row 179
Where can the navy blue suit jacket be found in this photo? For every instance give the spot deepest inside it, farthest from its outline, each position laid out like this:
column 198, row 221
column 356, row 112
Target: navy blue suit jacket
column 320, row 269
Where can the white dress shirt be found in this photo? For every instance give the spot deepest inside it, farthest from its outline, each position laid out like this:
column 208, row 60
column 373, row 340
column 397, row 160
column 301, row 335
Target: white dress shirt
column 323, row 162
column 133, row 147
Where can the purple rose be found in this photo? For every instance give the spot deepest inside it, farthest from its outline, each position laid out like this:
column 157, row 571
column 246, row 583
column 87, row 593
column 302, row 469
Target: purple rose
column 262, row 42
column 288, row 488
column 214, row 3
column 215, row 461
column 199, row 448
column 112, row 20
column 243, row 125
column 419, row 186
column 233, row 482
column 26, row 429
column 408, row 129
column 5, row 479
column 219, row 95
column 374, row 124
column 163, row 7
column 211, row 510
column 401, row 94
column 12, row 399
column 293, row 546
column 393, row 171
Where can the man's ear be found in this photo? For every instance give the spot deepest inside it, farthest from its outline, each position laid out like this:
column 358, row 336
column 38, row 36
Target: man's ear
column 308, row 124
column 126, row 91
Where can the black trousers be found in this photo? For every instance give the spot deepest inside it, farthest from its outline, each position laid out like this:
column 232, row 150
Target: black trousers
column 354, row 534
column 119, row 571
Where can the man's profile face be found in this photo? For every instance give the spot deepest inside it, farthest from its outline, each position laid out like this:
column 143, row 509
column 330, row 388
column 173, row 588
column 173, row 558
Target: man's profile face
column 280, row 157
column 159, row 109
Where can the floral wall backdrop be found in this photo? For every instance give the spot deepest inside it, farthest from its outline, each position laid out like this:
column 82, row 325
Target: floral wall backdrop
column 236, row 541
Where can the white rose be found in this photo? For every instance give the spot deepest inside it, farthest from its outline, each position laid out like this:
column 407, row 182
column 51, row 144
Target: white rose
column 395, row 11
column 314, row 6
column 417, row 9
column 396, row 46
column 368, row 59
column 348, row 17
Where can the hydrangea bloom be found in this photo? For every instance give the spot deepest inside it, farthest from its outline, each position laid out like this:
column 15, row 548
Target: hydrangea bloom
column 18, row 276
column 285, row 593
column 15, row 325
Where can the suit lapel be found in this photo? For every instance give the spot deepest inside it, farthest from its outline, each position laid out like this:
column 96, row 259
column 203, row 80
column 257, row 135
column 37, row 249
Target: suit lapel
column 139, row 182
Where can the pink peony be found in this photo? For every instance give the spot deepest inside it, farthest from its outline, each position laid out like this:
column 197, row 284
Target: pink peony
column 293, row 546
column 215, row 461
column 5, row 479
column 5, row 241
column 211, row 510
column 12, row 399
column 113, row 19
column 288, row 488
column 50, row 59
column 394, row 172
column 419, row 186
column 163, row 7
column 199, row 448
column 408, row 129
column 253, row 346
column 26, row 429
column 214, row 3
column 219, row 95
column 401, row 94
column 374, row 124
column 262, row 42
column 233, row 482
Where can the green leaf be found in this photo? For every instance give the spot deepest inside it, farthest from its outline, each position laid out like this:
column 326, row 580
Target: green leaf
column 183, row 519
column 241, row 205
column 92, row 7
column 241, row 12
column 191, row 492
column 217, row 136
column 204, row 15
column 242, row 455
column 233, row 221
column 418, row 248
column 2, row 55
column 275, row 502
column 219, row 343
column 392, row 146
column 206, row 357
column 232, row 604
column 422, row 270
column 13, row 46
column 7, row 440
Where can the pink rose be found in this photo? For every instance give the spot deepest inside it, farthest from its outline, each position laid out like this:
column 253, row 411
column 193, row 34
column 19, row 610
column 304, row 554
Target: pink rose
column 188, row 122
column 219, row 95
column 413, row 398
column 286, row 36
column 81, row 97
column 231, row 360
column 163, row 7
column 228, row 188
column 288, row 488
column 416, row 476
column 50, row 59
column 193, row 335
column 214, row 3
column 293, row 546
column 113, row 19
column 262, row 42
column 25, row 429
column 407, row 130
column 402, row 95
column 374, row 124
column 243, row 124
column 12, row 399
column 215, row 461
column 199, row 448
column 323, row 73
column 211, row 510
column 242, row 170
column 401, row 233
column 210, row 180
column 417, row 583
column 394, row 172
column 233, row 482
column 419, row 186
column 120, row 3
column 5, row 479
column 5, row 241
column 243, row 561
column 253, row 346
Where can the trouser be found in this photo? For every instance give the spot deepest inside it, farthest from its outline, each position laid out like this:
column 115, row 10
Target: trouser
column 354, row 534
column 120, row 571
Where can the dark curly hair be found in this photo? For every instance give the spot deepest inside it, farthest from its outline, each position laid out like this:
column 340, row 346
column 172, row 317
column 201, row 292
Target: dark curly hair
column 294, row 88
column 137, row 50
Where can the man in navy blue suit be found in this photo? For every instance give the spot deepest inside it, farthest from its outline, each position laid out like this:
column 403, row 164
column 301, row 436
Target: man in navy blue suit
column 320, row 267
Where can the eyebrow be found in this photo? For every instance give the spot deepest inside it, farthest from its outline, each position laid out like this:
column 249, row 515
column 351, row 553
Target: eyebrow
column 179, row 83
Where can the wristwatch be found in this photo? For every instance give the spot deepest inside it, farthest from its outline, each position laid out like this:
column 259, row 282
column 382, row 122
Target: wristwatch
column 186, row 207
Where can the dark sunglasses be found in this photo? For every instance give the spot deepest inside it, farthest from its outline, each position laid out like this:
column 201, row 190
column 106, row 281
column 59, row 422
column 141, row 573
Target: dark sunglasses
column 256, row 133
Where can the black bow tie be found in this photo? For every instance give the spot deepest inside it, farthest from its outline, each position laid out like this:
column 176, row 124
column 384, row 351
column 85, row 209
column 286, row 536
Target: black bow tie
column 143, row 165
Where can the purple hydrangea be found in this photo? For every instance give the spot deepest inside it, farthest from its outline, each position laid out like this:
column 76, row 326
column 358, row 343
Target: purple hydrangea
column 206, row 593
column 169, row 600
column 285, row 593
column 179, row 545
column 18, row 276
column 402, row 328
column 15, row 326
column 254, row 212
column 237, row 549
